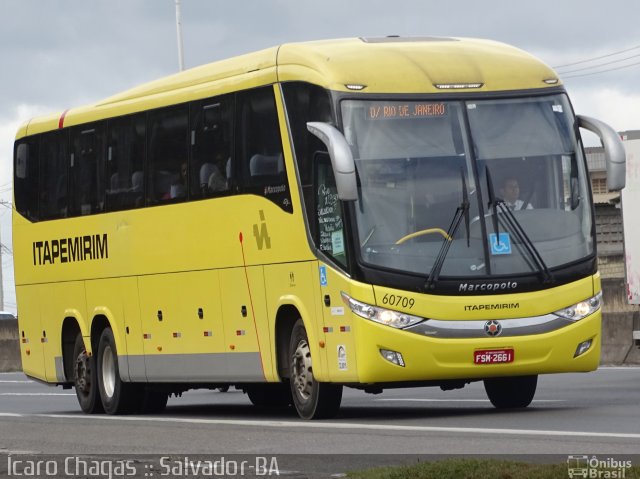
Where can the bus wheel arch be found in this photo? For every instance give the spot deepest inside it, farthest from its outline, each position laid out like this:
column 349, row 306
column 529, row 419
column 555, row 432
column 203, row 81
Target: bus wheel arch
column 98, row 325
column 70, row 331
column 285, row 320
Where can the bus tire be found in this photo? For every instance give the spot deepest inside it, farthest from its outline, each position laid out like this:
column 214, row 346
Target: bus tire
column 117, row 396
column 511, row 392
column 312, row 399
column 85, row 378
column 270, row 396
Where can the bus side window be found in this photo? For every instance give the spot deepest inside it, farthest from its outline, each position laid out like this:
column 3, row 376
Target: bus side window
column 87, row 170
column 125, row 162
column 260, row 147
column 54, row 172
column 211, row 128
column 329, row 217
column 26, row 177
column 168, row 155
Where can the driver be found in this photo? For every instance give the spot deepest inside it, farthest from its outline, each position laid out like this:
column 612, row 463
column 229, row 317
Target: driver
column 510, row 192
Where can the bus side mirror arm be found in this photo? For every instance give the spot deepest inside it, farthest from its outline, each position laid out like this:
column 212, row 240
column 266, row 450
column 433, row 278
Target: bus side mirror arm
column 614, row 152
column 342, row 162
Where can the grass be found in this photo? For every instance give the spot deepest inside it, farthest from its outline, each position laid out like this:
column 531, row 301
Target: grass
column 484, row 469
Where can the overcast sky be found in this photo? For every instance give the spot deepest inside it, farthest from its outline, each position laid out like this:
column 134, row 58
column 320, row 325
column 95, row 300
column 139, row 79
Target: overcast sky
column 57, row 54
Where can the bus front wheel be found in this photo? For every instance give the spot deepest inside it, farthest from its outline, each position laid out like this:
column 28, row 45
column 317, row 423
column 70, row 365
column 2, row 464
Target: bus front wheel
column 511, row 392
column 312, row 399
column 85, row 378
column 117, row 396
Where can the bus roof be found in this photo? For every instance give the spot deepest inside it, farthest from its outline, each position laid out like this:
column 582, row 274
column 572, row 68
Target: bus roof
column 379, row 65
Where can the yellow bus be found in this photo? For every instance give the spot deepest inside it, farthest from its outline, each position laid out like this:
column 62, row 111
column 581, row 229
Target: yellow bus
column 371, row 213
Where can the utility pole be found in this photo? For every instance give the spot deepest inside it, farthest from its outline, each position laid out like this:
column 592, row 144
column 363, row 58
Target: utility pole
column 179, row 33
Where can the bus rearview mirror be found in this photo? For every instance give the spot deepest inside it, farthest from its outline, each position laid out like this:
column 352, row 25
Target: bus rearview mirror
column 614, row 152
column 341, row 159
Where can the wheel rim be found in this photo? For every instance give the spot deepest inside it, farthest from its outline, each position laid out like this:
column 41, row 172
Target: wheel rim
column 83, row 373
column 302, row 371
column 108, row 371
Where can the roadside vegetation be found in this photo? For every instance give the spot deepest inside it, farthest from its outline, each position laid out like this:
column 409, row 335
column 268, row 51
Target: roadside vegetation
column 487, row 469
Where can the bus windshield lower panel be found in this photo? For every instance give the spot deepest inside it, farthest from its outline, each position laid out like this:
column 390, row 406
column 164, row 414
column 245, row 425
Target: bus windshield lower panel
column 436, row 180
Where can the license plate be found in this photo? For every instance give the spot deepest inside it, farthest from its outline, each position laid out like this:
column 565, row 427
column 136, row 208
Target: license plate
column 493, row 356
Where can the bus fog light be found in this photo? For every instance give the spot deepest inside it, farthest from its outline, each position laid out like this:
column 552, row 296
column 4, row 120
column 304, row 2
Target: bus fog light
column 583, row 347
column 393, row 357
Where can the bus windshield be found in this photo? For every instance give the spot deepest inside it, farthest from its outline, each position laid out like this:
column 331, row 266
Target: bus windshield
column 503, row 182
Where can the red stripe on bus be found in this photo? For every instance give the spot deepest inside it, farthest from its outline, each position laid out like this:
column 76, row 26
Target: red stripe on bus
column 61, row 121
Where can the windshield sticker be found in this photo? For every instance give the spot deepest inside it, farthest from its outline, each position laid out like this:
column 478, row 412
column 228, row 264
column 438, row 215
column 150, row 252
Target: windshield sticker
column 323, row 275
column 342, row 357
column 557, row 108
column 500, row 244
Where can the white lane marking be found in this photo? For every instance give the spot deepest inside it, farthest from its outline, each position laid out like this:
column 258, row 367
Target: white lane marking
column 22, row 382
column 620, row 368
column 338, row 425
column 456, row 400
column 37, row 394
column 17, row 452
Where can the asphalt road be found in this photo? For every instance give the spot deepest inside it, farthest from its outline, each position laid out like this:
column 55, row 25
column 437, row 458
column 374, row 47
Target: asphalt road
column 594, row 413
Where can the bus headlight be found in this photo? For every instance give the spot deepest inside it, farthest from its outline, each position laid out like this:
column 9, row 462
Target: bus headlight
column 395, row 319
column 582, row 309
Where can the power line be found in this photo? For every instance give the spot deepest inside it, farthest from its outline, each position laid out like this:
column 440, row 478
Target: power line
column 601, row 64
column 596, row 58
column 602, row 71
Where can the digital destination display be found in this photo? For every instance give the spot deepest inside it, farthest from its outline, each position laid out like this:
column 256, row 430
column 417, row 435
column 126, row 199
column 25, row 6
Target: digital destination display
column 382, row 110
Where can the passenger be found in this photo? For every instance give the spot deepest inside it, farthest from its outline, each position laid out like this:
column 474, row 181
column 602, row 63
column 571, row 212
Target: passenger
column 179, row 187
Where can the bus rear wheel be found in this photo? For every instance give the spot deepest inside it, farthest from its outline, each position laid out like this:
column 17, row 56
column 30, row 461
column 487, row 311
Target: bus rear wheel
column 85, row 378
column 117, row 396
column 312, row 399
column 511, row 392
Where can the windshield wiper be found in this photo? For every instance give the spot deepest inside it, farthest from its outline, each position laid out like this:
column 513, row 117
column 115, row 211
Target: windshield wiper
column 462, row 211
column 493, row 203
column 498, row 204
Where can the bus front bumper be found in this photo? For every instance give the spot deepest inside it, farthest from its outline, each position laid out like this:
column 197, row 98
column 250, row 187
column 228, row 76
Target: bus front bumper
column 422, row 358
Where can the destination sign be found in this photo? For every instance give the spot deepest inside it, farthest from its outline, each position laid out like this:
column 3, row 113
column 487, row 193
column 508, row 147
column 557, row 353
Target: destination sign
column 384, row 110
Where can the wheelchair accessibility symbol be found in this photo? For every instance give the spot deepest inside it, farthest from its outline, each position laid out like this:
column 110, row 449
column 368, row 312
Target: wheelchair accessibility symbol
column 501, row 244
